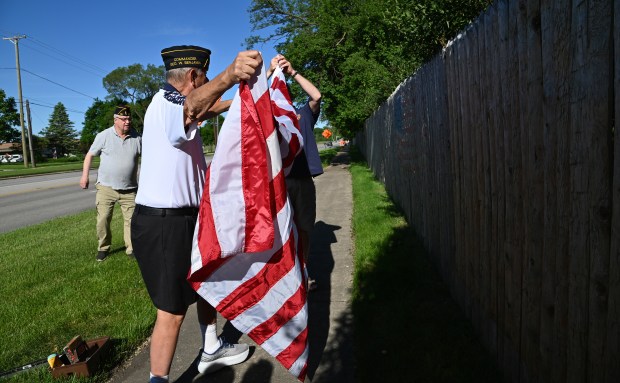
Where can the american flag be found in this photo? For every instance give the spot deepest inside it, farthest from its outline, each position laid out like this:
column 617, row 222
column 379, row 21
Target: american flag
column 245, row 261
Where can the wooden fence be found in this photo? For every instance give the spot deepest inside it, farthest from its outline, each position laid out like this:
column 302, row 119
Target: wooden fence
column 502, row 153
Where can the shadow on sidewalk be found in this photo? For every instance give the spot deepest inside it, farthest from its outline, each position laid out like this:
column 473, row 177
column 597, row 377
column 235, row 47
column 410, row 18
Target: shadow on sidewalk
column 332, row 356
column 342, row 157
column 259, row 372
column 320, row 267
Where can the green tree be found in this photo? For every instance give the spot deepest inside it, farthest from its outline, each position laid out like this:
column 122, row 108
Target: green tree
column 60, row 133
column 358, row 51
column 318, row 135
column 136, row 84
column 9, row 117
column 207, row 131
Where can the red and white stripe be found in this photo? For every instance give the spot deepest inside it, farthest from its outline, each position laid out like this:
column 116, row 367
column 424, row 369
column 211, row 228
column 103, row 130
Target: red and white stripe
column 245, row 260
column 291, row 141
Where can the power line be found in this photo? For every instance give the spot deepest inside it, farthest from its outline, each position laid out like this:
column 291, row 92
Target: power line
column 46, row 104
column 38, row 118
column 66, row 62
column 35, row 99
column 53, row 106
column 53, row 82
column 73, row 61
column 58, row 52
column 67, row 55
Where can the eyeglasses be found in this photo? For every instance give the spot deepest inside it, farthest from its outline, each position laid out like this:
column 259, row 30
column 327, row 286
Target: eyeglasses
column 124, row 119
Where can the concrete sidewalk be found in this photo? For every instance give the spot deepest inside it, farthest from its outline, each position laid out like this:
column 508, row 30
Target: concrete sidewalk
column 330, row 318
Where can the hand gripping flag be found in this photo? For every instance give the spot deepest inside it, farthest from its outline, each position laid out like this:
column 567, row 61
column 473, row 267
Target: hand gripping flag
column 245, row 261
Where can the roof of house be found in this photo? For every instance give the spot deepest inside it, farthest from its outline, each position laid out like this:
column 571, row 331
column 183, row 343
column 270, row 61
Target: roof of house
column 8, row 147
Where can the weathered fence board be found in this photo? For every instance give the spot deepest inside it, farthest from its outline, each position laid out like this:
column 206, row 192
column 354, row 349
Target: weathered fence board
column 478, row 194
column 465, row 177
column 612, row 371
column 533, row 157
column 503, row 69
column 452, row 82
column 579, row 256
column 555, row 58
column 443, row 171
column 496, row 213
column 489, row 90
column 597, row 117
column 513, row 246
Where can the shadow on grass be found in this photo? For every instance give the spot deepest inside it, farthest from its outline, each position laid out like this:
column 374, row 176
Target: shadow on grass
column 407, row 323
column 328, row 155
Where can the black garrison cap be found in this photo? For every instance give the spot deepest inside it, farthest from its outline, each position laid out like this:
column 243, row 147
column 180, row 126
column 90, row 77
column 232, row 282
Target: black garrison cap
column 122, row 110
column 183, row 56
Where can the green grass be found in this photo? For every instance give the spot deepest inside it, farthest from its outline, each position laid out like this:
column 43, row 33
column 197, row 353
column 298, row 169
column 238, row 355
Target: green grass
column 50, row 166
column 407, row 325
column 53, row 289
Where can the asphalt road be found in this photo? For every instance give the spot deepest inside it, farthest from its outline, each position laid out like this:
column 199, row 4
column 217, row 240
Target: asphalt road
column 27, row 201
column 30, row 200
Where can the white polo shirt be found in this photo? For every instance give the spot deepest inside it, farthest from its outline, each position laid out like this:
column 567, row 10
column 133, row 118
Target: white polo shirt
column 172, row 173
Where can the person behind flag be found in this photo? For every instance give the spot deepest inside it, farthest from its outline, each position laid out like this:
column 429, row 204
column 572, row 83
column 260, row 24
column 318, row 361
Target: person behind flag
column 307, row 165
column 172, row 177
column 245, row 235
column 117, row 178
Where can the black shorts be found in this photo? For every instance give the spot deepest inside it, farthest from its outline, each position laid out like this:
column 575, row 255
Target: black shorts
column 302, row 193
column 163, row 246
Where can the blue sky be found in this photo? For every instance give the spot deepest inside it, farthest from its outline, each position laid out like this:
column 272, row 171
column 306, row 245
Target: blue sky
column 74, row 44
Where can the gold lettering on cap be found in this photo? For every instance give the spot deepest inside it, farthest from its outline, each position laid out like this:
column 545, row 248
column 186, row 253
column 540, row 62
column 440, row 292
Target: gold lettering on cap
column 185, row 58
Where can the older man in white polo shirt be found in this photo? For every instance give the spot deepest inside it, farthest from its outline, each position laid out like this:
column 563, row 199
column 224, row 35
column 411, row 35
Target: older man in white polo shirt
column 117, row 178
column 172, row 177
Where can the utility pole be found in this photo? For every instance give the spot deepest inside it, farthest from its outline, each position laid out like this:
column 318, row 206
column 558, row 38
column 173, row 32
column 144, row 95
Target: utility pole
column 216, row 128
column 15, row 41
column 34, row 165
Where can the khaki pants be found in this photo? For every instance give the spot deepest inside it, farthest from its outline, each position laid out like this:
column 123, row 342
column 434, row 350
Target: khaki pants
column 105, row 200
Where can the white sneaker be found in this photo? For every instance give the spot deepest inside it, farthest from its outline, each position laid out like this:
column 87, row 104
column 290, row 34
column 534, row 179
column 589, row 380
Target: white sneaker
column 227, row 355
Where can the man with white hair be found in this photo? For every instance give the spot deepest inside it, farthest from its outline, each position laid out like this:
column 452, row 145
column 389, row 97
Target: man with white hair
column 172, row 178
column 117, row 178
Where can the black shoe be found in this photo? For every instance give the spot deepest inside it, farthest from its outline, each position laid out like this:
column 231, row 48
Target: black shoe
column 102, row 255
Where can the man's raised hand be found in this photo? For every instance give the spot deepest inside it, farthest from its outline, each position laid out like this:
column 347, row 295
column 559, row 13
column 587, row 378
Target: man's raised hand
column 244, row 66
